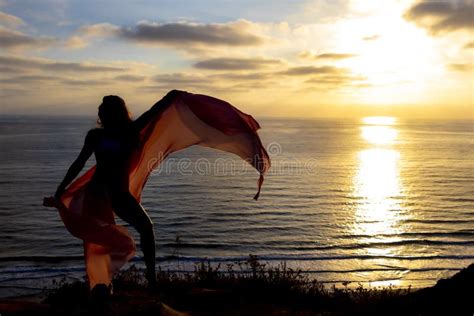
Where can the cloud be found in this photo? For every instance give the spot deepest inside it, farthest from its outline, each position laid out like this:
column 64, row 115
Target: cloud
column 337, row 80
column 10, row 39
column 221, row 82
column 42, row 79
column 325, row 56
column 254, row 76
column 26, row 64
column 187, row 36
column 371, row 37
column 130, row 78
column 461, row 67
column 190, row 37
column 86, row 33
column 13, row 92
column 312, row 70
column 184, row 34
column 180, row 79
column 10, row 20
column 98, row 30
column 236, row 63
column 35, row 81
column 469, row 45
column 76, row 42
column 20, row 80
column 11, row 69
column 85, row 82
column 325, row 76
column 442, row 16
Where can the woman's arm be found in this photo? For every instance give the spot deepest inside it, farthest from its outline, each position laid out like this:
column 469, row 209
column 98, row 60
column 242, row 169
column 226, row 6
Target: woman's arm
column 159, row 106
column 78, row 164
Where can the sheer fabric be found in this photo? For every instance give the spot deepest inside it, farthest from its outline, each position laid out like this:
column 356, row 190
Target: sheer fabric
column 191, row 119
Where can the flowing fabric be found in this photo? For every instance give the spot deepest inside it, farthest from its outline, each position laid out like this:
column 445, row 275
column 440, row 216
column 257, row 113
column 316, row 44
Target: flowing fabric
column 191, row 119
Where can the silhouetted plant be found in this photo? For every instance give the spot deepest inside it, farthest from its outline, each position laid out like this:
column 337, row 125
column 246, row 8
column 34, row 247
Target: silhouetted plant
column 250, row 281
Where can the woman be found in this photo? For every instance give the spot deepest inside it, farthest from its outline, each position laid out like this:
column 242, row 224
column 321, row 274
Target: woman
column 126, row 152
column 113, row 145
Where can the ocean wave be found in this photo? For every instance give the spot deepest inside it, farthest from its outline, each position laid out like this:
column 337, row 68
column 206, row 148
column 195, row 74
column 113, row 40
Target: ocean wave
column 439, row 221
column 459, row 233
column 425, row 242
column 28, row 269
column 311, row 246
column 25, row 276
column 283, row 258
column 50, row 259
column 278, row 257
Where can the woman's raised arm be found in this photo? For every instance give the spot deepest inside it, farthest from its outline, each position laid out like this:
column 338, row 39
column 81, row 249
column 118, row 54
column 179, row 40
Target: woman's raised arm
column 79, row 163
column 159, row 106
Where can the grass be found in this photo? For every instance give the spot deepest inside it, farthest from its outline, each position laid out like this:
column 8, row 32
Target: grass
column 254, row 288
column 244, row 288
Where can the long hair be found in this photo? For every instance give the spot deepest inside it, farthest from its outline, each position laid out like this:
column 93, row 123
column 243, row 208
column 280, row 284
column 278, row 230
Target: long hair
column 115, row 117
column 113, row 113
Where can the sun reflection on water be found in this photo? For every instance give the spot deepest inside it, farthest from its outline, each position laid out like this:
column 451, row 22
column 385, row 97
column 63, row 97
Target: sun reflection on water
column 379, row 134
column 379, row 120
column 377, row 187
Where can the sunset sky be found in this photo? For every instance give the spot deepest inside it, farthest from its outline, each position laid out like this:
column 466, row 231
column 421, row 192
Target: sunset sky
column 319, row 58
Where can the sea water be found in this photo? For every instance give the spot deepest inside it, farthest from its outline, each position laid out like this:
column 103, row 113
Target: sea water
column 377, row 201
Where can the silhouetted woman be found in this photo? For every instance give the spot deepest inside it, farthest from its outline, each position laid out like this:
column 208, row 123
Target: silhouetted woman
column 113, row 144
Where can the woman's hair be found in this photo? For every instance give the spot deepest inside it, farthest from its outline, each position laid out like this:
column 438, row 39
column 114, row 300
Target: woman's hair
column 113, row 113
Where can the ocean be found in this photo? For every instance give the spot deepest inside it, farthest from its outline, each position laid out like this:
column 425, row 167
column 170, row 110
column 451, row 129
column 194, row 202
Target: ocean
column 376, row 201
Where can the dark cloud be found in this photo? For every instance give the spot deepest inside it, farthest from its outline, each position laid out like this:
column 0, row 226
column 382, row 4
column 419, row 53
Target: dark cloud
column 42, row 79
column 312, row 70
column 325, row 77
column 236, row 63
column 248, row 86
column 84, row 82
column 9, row 69
column 223, row 82
column 179, row 79
column 325, row 56
column 461, row 67
column 130, row 78
column 28, row 79
column 336, row 80
column 13, row 92
column 49, row 65
column 64, row 66
column 371, row 37
column 255, row 76
column 13, row 39
column 181, row 34
column 442, row 16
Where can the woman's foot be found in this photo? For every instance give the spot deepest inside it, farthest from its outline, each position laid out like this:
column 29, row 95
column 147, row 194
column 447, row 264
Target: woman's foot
column 99, row 298
column 151, row 279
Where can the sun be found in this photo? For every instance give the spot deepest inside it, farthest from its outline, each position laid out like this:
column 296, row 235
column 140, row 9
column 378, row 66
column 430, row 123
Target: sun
column 396, row 61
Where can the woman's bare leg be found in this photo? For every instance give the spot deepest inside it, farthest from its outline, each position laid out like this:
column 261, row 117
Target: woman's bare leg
column 128, row 209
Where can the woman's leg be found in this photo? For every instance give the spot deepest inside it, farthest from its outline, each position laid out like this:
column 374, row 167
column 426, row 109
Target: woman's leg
column 128, row 209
